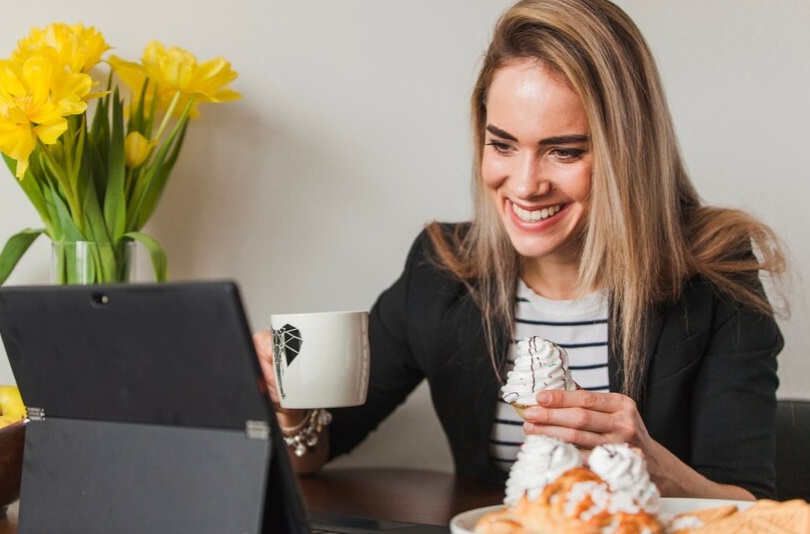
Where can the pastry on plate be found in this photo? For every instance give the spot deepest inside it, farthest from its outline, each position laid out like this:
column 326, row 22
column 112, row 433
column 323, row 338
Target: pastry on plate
column 550, row 490
column 578, row 501
column 540, row 460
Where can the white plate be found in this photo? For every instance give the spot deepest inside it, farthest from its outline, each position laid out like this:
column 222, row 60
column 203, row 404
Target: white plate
column 674, row 506
column 464, row 523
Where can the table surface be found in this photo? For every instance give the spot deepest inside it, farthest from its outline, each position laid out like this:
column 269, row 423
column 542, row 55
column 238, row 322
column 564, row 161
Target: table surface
column 397, row 494
column 409, row 495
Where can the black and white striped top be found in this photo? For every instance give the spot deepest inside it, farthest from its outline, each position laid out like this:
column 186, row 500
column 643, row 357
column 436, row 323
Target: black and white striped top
column 578, row 326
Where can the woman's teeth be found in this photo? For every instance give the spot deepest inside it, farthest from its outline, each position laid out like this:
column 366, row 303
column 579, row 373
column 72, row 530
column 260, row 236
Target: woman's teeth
column 535, row 215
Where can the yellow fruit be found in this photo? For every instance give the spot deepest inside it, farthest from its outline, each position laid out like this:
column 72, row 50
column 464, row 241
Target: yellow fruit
column 6, row 420
column 12, row 408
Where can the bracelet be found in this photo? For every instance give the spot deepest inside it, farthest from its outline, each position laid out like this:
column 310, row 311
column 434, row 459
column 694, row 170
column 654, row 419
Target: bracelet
column 303, row 437
column 289, row 430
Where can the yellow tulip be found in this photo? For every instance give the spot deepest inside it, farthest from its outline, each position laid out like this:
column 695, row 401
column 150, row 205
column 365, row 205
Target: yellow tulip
column 75, row 46
column 35, row 98
column 136, row 149
column 17, row 137
column 175, row 70
column 133, row 75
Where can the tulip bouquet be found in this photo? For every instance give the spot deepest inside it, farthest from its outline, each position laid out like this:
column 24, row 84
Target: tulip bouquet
column 97, row 177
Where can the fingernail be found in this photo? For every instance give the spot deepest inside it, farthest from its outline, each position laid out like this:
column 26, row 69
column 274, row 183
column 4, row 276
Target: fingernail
column 543, row 398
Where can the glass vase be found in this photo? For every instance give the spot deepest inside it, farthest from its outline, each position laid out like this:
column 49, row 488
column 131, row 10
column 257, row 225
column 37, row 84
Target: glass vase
column 92, row 262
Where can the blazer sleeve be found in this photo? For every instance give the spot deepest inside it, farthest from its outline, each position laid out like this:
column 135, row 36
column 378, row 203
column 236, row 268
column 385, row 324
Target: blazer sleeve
column 711, row 388
column 734, row 401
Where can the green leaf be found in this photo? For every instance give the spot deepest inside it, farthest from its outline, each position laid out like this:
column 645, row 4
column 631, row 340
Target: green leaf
column 14, row 249
column 156, row 253
column 102, row 105
column 93, row 223
column 160, row 172
column 56, row 187
column 114, row 201
column 68, row 231
column 78, row 142
column 31, row 186
column 138, row 117
column 11, row 163
column 99, row 140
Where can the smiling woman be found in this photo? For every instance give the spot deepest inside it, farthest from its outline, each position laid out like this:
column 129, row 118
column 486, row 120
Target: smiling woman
column 582, row 192
column 587, row 230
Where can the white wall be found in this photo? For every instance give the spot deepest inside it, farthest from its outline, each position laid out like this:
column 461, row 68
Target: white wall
column 353, row 132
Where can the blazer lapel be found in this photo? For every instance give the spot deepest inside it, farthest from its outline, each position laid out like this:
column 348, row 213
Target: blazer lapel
column 653, row 330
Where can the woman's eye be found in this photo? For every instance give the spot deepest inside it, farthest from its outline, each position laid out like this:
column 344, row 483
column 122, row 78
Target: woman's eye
column 568, row 154
column 500, row 147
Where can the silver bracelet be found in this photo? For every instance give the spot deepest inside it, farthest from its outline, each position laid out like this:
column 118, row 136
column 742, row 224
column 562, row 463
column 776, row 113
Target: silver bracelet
column 303, row 437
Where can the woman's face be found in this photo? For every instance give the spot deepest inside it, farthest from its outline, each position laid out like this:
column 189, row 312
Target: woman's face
column 537, row 161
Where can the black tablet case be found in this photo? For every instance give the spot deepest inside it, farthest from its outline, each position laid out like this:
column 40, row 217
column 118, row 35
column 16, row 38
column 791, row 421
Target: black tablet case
column 146, row 412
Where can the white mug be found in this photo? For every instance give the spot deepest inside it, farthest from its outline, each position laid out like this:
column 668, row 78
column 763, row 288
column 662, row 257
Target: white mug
column 321, row 359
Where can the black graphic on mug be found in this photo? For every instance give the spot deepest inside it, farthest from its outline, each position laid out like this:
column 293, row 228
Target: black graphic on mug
column 286, row 344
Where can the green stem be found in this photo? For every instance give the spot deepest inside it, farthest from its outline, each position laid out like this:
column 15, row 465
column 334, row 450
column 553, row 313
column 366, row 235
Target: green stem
column 167, row 117
column 70, row 194
column 90, row 262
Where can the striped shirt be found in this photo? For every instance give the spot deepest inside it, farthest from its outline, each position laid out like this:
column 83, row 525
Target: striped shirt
column 578, row 326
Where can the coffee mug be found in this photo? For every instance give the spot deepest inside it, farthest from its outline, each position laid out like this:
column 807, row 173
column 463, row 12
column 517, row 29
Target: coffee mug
column 320, row 359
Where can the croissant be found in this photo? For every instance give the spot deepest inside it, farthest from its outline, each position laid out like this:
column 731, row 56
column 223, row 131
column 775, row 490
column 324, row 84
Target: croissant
column 788, row 517
column 578, row 502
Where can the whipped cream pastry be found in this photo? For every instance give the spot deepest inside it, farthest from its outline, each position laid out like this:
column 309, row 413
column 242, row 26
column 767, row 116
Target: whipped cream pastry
column 625, row 484
column 541, row 459
column 539, row 365
column 625, row 471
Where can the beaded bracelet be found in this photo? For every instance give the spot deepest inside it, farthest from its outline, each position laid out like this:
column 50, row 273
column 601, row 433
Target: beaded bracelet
column 303, row 437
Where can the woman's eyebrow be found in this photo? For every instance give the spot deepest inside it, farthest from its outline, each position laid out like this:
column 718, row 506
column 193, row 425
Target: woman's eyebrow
column 555, row 140
column 565, row 140
column 500, row 133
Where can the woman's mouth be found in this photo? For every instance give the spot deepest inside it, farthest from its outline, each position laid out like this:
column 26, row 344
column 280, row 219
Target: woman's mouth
column 533, row 216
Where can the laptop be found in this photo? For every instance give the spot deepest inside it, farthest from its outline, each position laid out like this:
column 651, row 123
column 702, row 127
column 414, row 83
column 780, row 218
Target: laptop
column 147, row 415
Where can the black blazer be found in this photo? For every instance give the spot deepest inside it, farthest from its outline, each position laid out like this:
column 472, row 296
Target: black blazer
column 708, row 391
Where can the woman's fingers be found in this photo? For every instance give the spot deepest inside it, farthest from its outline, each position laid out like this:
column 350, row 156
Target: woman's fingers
column 582, row 398
column 263, row 342
column 585, row 418
column 574, row 418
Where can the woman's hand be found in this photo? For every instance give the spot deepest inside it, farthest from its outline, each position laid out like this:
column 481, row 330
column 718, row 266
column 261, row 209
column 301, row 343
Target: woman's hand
column 263, row 341
column 288, row 418
column 587, row 419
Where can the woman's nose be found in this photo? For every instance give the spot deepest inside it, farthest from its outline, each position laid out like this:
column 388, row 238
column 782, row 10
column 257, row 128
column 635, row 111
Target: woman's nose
column 528, row 180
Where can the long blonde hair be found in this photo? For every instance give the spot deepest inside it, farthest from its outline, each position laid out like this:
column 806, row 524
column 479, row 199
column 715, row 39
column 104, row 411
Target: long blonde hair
column 648, row 231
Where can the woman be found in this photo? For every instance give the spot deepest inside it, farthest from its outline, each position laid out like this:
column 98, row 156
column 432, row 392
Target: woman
column 587, row 227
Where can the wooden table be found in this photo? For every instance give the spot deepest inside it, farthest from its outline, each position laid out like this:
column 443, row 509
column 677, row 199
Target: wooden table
column 395, row 494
